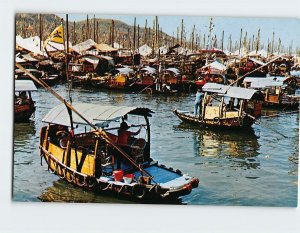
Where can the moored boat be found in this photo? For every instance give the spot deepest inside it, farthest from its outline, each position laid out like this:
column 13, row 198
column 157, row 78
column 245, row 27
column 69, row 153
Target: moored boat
column 225, row 106
column 279, row 91
column 99, row 159
column 24, row 105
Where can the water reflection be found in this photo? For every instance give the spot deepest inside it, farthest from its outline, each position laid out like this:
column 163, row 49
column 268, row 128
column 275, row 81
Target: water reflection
column 23, row 132
column 239, row 147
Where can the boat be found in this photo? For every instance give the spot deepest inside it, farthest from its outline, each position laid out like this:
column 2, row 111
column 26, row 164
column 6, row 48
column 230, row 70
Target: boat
column 279, row 91
column 24, row 105
column 96, row 159
column 225, row 106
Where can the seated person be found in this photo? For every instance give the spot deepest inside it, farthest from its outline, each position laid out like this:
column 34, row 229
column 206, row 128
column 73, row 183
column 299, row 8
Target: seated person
column 124, row 136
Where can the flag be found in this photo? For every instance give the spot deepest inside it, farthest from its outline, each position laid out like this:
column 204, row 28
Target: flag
column 56, row 36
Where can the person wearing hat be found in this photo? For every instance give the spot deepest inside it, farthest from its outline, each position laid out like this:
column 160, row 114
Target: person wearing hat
column 124, row 135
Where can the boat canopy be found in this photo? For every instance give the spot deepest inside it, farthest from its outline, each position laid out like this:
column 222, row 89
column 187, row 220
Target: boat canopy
column 229, row 91
column 258, row 82
column 173, row 70
column 98, row 115
column 149, row 69
column 24, row 85
column 125, row 70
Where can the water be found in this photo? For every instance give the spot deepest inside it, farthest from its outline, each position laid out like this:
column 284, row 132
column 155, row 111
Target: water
column 255, row 168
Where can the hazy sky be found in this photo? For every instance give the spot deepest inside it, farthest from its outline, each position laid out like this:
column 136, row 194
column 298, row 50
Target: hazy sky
column 287, row 29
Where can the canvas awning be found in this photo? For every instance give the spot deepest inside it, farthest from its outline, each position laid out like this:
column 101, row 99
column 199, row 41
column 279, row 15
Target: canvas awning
column 149, row 69
column 229, row 91
column 125, row 70
column 257, row 61
column 83, row 46
column 145, row 50
column 215, row 65
column 104, row 48
column 24, row 85
column 94, row 113
column 173, row 70
column 259, row 82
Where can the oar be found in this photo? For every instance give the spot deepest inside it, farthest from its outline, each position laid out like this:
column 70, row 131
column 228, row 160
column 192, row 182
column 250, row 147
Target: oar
column 255, row 70
column 101, row 131
column 145, row 88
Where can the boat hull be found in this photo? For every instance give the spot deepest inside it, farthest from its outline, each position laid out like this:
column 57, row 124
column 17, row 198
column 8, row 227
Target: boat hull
column 107, row 185
column 235, row 122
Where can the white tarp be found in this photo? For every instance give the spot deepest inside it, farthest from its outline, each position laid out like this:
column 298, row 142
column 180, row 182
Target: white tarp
column 53, row 47
column 162, row 50
column 230, row 91
column 145, row 50
column 94, row 113
column 262, row 53
column 24, row 85
column 260, row 82
column 83, row 46
column 31, row 44
column 216, row 66
column 92, row 60
column 257, row 61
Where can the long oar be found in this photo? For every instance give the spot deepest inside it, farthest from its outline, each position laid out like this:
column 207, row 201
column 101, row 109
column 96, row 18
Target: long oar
column 255, row 70
column 145, row 88
column 68, row 105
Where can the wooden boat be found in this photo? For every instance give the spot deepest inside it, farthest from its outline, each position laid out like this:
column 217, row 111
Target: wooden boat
column 226, row 107
column 95, row 159
column 279, row 91
column 24, row 105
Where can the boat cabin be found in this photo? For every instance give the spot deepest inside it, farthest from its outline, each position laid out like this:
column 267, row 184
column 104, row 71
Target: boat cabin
column 24, row 105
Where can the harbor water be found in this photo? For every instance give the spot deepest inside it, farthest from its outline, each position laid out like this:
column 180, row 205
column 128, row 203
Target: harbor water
column 254, row 168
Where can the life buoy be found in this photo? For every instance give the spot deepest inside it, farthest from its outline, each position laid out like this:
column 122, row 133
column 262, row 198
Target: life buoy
column 216, row 120
column 90, row 182
column 52, row 171
column 59, row 171
column 72, row 177
column 236, row 119
column 84, row 180
column 138, row 191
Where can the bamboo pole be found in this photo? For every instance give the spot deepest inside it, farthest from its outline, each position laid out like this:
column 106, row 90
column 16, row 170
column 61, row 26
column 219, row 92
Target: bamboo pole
column 240, row 41
column 258, row 40
column 94, row 28
column 145, row 33
column 181, row 35
column 41, row 33
column 138, row 36
column 112, row 33
column 272, row 47
column 134, row 34
column 74, row 32
column 87, row 27
column 222, row 43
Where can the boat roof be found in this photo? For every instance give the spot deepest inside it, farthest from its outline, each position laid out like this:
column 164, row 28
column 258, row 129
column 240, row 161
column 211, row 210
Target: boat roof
column 259, row 82
column 24, row 85
column 96, row 114
column 229, row 91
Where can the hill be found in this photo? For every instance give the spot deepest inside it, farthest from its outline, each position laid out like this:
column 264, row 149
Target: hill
column 100, row 30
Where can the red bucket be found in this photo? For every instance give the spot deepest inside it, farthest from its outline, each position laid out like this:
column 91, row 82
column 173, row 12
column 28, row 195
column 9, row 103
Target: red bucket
column 118, row 175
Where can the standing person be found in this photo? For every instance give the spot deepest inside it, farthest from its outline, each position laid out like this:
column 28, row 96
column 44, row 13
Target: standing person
column 198, row 102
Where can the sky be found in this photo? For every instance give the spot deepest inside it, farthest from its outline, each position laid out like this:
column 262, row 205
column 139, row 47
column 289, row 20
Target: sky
column 285, row 28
